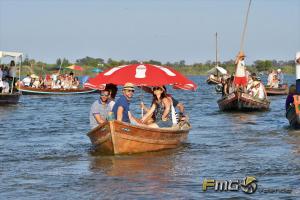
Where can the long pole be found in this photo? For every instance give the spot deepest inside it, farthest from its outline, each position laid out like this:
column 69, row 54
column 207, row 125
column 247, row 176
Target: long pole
column 217, row 53
column 216, row 49
column 245, row 27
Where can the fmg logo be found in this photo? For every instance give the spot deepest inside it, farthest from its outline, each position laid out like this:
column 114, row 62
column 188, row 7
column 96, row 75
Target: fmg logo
column 247, row 185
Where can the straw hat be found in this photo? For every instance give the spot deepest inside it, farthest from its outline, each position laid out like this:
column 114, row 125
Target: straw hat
column 255, row 83
column 128, row 86
column 241, row 54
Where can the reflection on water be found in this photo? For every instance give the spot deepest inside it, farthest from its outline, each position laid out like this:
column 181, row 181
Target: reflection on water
column 45, row 153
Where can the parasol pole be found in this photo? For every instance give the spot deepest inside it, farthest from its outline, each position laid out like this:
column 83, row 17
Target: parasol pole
column 142, row 97
column 245, row 27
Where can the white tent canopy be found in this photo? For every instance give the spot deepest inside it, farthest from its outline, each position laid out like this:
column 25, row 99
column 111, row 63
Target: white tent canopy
column 216, row 70
column 10, row 54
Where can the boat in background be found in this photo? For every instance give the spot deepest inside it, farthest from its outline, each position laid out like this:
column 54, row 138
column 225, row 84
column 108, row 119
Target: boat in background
column 115, row 137
column 43, row 91
column 282, row 90
column 215, row 74
column 10, row 98
column 239, row 101
column 13, row 96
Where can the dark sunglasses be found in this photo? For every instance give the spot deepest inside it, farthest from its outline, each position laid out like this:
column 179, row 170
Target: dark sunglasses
column 131, row 91
column 104, row 95
column 156, row 88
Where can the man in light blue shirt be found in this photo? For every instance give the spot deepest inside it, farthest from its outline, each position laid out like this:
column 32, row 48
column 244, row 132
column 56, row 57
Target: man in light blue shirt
column 100, row 109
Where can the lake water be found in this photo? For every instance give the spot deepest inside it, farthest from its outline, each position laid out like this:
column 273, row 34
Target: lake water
column 45, row 153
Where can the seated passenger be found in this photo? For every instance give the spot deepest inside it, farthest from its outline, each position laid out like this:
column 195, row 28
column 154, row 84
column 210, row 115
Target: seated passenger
column 121, row 108
column 258, row 90
column 5, row 86
column 160, row 108
column 100, row 109
column 26, row 81
column 75, row 83
column 36, row 83
column 274, row 82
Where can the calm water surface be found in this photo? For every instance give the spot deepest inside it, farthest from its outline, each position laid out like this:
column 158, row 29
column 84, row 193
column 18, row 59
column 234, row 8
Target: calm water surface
column 45, row 153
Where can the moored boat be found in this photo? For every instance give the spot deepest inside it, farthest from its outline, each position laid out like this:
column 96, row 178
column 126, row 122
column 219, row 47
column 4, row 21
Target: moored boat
column 10, row 98
column 239, row 101
column 40, row 91
column 282, row 90
column 115, row 137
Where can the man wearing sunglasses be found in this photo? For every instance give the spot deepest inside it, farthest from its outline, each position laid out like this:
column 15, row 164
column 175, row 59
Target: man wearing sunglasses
column 121, row 108
column 100, row 109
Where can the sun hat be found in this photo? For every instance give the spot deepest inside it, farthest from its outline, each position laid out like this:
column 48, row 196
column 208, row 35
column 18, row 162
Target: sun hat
column 128, row 86
column 255, row 83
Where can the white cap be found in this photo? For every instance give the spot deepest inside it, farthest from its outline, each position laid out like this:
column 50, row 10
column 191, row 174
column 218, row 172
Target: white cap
column 279, row 70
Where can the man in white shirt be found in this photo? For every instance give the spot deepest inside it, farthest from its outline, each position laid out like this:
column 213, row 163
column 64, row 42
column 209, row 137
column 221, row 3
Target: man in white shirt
column 26, row 81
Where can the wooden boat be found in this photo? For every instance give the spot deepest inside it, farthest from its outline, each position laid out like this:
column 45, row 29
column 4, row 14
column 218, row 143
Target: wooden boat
column 40, row 91
column 10, row 98
column 283, row 90
column 293, row 117
column 240, row 101
column 115, row 137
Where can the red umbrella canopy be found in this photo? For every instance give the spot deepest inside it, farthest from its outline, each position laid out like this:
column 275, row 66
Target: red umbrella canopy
column 142, row 75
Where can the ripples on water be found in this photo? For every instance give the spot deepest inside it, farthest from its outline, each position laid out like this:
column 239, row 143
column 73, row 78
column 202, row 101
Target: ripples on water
column 44, row 152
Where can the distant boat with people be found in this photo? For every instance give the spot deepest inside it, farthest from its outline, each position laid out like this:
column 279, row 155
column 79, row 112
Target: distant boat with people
column 281, row 90
column 8, row 92
column 243, row 102
column 59, row 91
column 216, row 73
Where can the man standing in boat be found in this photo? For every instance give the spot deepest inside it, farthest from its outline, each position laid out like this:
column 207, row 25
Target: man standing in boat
column 121, row 108
column 240, row 78
column 100, row 109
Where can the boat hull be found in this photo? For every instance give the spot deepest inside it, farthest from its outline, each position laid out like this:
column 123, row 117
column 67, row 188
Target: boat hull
column 117, row 137
column 283, row 90
column 10, row 98
column 40, row 91
column 293, row 117
column 242, row 102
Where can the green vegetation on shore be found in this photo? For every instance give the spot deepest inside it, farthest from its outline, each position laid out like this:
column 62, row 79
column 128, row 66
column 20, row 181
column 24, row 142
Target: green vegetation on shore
column 31, row 66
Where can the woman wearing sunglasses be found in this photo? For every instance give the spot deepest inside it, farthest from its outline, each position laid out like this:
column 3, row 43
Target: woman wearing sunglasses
column 160, row 108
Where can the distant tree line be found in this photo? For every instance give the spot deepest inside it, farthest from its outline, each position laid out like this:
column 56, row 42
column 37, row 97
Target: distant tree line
column 196, row 68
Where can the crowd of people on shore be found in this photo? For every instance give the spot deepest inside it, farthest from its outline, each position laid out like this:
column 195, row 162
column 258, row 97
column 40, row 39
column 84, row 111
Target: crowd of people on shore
column 7, row 77
column 53, row 81
column 161, row 113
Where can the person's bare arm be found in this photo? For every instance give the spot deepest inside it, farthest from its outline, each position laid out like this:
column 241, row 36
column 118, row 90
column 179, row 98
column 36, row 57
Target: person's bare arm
column 148, row 114
column 120, row 113
column 167, row 105
column 180, row 107
column 99, row 118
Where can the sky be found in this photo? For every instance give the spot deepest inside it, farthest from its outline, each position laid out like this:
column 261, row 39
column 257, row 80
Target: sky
column 162, row 30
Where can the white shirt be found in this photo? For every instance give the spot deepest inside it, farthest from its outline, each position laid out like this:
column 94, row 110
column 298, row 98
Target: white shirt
column 26, row 81
column 261, row 93
column 240, row 70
